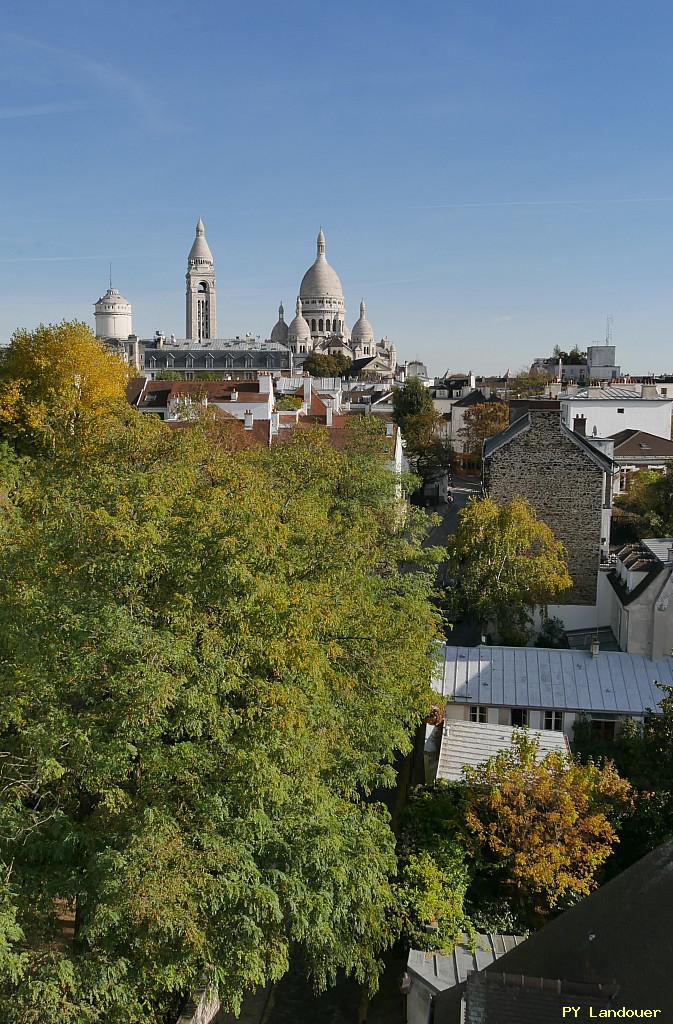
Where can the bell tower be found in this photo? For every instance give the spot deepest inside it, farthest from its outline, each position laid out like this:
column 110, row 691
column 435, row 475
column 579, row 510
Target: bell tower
column 201, row 304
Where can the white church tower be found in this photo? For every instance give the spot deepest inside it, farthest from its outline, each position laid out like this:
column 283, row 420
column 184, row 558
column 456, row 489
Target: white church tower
column 114, row 316
column 201, row 307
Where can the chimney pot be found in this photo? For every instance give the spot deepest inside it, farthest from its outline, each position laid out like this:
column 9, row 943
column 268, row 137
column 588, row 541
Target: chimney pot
column 595, row 647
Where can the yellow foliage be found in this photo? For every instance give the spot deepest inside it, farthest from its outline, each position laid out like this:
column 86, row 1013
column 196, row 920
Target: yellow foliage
column 55, row 382
column 549, row 824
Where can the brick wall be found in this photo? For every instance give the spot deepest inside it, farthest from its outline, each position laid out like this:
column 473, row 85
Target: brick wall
column 564, row 487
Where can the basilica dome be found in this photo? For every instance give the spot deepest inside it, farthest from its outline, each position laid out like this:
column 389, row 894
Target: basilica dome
column 362, row 333
column 321, row 280
column 299, row 330
column 280, row 332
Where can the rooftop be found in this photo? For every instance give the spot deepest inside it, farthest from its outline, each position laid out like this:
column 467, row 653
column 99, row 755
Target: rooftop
column 611, row 394
column 472, row 743
column 443, row 972
column 540, row 677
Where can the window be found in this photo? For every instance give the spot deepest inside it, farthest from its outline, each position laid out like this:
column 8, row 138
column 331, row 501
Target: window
column 664, row 392
column 327, row 327
column 478, row 713
column 320, row 324
column 519, row 717
column 553, row 720
column 313, row 325
column 620, row 410
column 603, row 728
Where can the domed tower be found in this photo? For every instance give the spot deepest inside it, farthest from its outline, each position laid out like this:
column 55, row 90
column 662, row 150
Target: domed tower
column 280, row 331
column 299, row 333
column 322, row 298
column 362, row 336
column 201, row 306
column 113, row 315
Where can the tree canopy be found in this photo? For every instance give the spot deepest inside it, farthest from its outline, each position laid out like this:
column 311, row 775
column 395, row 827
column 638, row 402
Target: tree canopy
column 198, row 696
column 506, row 561
column 56, row 382
column 481, row 421
column 543, row 827
column 320, row 364
column 649, row 501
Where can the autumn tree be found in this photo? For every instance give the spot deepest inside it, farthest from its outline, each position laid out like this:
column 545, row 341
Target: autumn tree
column 481, row 421
column 542, row 827
column 506, row 562
column 55, row 382
column 199, row 695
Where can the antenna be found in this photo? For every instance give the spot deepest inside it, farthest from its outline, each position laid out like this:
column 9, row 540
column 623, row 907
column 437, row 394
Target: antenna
column 608, row 330
column 110, row 275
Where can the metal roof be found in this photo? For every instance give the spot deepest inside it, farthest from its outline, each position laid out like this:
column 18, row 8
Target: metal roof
column 540, row 677
column 660, row 547
column 472, row 743
column 611, row 394
column 442, row 971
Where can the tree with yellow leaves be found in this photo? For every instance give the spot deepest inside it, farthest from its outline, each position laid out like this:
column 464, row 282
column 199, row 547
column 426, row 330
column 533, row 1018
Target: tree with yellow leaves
column 544, row 827
column 55, row 382
column 506, row 562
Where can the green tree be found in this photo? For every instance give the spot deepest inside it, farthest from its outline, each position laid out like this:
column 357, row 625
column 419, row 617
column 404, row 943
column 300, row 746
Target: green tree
column 320, row 364
column 643, row 754
column 198, row 697
column 56, row 382
column 506, row 562
column 649, row 500
column 482, row 421
column 542, row 827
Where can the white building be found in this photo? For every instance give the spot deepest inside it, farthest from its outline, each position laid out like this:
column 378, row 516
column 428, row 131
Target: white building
column 641, row 598
column 549, row 689
column 604, row 411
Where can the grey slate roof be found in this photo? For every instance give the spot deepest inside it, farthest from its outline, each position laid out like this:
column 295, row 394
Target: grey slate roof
column 540, row 677
column 472, row 743
column 442, row 972
column 522, row 424
column 619, row 936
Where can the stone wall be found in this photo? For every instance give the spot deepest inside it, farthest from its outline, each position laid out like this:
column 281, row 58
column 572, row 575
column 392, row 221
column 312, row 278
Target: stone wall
column 203, row 1009
column 564, row 486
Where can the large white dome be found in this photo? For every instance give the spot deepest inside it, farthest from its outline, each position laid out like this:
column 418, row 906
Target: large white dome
column 321, row 280
column 200, row 250
column 280, row 331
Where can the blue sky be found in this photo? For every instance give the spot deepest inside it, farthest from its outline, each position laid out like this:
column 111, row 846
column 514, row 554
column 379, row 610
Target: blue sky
column 494, row 178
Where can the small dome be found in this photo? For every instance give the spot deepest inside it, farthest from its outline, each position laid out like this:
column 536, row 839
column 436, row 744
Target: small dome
column 320, row 279
column 200, row 250
column 280, row 331
column 299, row 329
column 362, row 332
column 113, row 298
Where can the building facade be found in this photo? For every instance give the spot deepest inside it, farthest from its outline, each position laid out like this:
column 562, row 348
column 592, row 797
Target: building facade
column 567, row 481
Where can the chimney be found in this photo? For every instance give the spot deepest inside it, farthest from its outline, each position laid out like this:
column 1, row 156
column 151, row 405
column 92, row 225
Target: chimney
column 233, row 395
column 580, row 425
column 328, row 409
column 249, row 419
column 265, row 381
column 670, row 554
column 595, row 647
column 649, row 390
column 307, row 389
